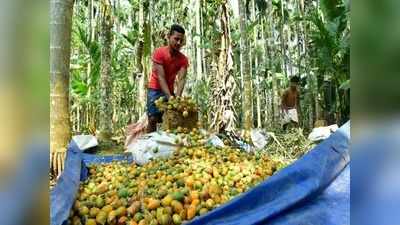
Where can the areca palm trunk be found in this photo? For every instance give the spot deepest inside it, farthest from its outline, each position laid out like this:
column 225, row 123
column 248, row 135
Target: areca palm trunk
column 60, row 50
column 266, row 35
column 282, row 36
column 139, row 63
column 203, row 55
column 147, row 41
column 257, row 74
column 143, row 52
column 244, row 51
column 105, row 119
column 198, row 32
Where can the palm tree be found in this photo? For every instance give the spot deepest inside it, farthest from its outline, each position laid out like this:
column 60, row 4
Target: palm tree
column 60, row 48
column 245, row 68
column 105, row 119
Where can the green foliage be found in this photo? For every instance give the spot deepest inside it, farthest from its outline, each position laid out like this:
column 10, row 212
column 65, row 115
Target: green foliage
column 316, row 46
column 345, row 85
column 277, row 10
column 332, row 9
column 261, row 5
column 331, row 37
column 132, row 37
column 201, row 93
column 93, row 48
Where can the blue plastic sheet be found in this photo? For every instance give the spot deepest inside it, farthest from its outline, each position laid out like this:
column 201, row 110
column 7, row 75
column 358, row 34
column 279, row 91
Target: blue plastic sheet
column 88, row 159
column 332, row 206
column 63, row 194
column 313, row 190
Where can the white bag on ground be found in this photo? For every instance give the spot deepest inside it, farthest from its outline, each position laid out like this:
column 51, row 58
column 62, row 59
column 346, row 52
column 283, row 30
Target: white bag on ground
column 152, row 146
column 215, row 141
column 258, row 139
column 85, row 141
column 322, row 133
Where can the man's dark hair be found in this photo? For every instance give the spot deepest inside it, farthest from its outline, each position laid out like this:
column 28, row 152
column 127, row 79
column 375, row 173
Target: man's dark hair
column 176, row 27
column 295, row 79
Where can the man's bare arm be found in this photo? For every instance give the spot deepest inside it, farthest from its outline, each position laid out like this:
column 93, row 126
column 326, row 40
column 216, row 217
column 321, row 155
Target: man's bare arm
column 181, row 81
column 161, row 78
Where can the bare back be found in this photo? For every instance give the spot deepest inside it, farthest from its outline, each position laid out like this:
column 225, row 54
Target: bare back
column 290, row 98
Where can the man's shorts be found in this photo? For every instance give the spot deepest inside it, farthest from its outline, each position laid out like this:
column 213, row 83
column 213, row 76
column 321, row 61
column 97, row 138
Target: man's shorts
column 152, row 96
column 290, row 116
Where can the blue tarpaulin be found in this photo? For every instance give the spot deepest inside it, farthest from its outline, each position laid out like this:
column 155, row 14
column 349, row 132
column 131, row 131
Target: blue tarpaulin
column 313, row 190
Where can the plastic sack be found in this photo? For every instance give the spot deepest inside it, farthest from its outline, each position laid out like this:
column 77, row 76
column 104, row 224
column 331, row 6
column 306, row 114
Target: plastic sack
column 322, row 133
column 244, row 146
column 152, row 146
column 258, row 139
column 85, row 142
column 215, row 141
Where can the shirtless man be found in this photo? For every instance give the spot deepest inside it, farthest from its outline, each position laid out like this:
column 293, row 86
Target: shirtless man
column 290, row 104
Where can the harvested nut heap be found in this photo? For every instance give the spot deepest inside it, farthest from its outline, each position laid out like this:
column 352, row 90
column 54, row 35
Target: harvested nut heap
column 181, row 104
column 190, row 183
column 178, row 112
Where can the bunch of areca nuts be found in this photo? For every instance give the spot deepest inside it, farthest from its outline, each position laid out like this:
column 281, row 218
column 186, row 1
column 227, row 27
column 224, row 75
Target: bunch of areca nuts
column 184, row 105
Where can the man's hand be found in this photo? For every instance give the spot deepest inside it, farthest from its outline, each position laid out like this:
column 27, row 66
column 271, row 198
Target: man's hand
column 181, row 80
column 171, row 95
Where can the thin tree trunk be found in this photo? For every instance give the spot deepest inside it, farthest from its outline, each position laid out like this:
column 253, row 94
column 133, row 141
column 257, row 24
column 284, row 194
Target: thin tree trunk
column 265, row 35
column 139, row 61
column 60, row 50
column 78, row 118
column 92, row 20
column 299, row 39
column 282, row 35
column 105, row 118
column 199, row 72
column 86, row 113
column 244, row 51
column 267, row 109
column 256, row 69
column 258, row 100
column 147, row 45
column 203, row 55
column 118, row 25
column 91, row 38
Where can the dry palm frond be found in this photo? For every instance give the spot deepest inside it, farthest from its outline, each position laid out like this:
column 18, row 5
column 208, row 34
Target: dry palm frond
column 289, row 146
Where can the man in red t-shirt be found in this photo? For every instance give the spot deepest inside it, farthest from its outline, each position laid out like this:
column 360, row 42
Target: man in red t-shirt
column 169, row 64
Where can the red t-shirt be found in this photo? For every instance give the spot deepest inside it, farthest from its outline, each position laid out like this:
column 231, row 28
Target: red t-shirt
column 171, row 65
